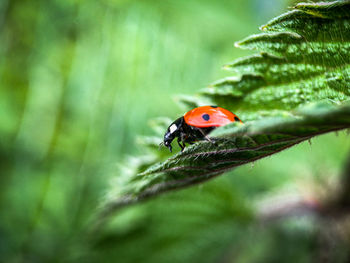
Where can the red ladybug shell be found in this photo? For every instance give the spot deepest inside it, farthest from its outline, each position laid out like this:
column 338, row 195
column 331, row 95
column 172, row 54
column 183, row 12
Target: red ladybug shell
column 209, row 116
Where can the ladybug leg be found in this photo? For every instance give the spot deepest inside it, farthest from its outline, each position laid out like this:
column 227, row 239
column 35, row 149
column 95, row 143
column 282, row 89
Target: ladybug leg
column 181, row 146
column 206, row 136
column 181, row 139
column 208, row 139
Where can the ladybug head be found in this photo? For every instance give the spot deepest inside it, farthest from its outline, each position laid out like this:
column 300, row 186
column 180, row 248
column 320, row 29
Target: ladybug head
column 172, row 132
column 169, row 136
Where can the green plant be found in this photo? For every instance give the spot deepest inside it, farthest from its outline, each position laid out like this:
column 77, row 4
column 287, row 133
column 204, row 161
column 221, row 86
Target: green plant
column 294, row 89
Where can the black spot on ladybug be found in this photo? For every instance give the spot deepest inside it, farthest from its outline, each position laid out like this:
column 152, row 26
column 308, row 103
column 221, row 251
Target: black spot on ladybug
column 206, row 117
column 214, row 106
column 236, row 118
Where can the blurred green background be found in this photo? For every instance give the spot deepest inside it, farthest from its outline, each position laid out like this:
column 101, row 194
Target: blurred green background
column 79, row 80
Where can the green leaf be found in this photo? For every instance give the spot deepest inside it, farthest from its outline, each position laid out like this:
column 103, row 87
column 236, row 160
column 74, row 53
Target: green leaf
column 296, row 88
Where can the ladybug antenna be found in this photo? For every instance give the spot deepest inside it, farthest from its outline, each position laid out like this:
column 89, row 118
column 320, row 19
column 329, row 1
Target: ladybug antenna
column 160, row 145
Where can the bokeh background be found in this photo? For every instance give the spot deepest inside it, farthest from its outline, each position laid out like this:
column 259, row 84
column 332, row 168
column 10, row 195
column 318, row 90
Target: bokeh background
column 80, row 80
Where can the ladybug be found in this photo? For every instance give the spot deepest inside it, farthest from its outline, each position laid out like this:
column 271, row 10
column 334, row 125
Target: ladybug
column 197, row 124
